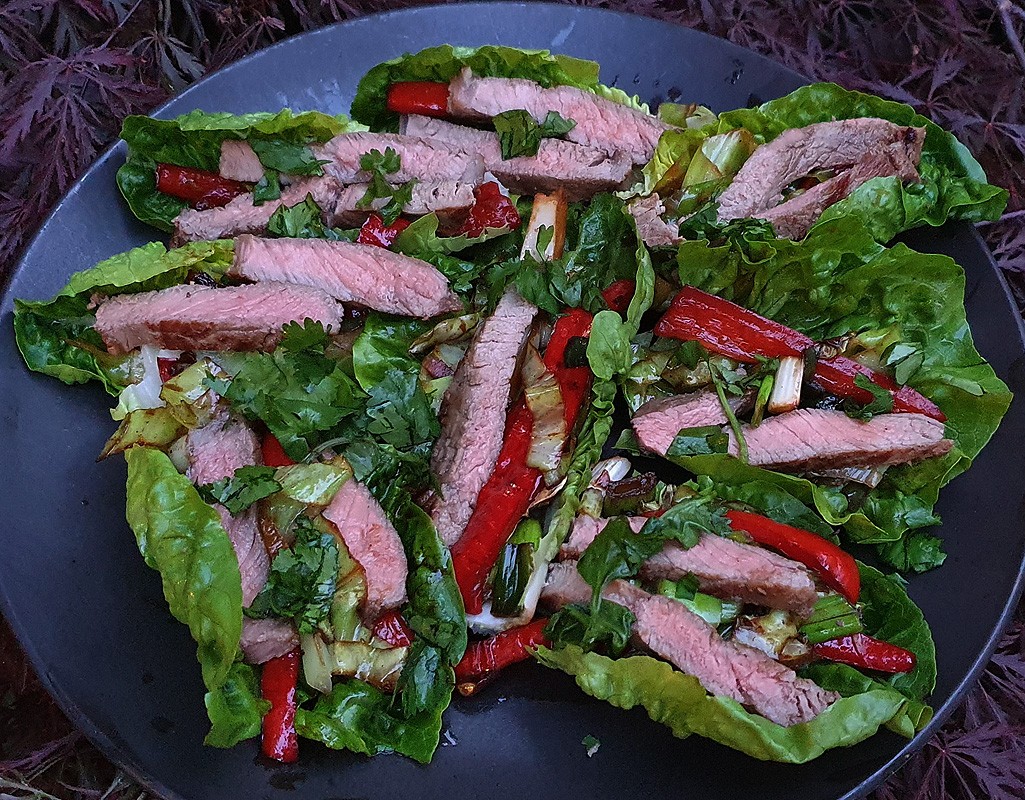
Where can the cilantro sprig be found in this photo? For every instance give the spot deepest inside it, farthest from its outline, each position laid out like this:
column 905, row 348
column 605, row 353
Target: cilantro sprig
column 519, row 134
column 380, row 166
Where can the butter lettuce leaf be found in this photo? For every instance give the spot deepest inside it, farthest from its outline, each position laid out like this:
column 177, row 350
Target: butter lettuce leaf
column 182, row 538
column 235, row 708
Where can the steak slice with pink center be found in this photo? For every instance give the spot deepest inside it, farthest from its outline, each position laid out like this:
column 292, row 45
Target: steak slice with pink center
column 419, row 158
column 658, row 422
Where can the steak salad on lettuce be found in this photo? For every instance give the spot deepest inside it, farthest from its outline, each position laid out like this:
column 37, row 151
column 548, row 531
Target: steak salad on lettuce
column 370, row 400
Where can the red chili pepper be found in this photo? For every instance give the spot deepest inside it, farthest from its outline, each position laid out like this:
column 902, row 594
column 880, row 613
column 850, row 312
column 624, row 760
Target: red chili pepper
column 861, row 650
column 168, row 368
column 198, row 187
column 392, row 628
column 618, row 294
column 418, row 97
column 506, row 496
column 491, row 209
column 491, row 655
column 274, row 454
column 277, row 685
column 837, row 568
column 731, row 330
column 376, row 233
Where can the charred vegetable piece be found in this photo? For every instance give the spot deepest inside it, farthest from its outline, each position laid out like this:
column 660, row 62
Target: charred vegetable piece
column 488, row 656
column 278, row 685
column 862, row 651
column 273, row 453
column 731, row 330
column 491, row 209
column 198, row 187
column 418, row 97
column 618, row 294
column 392, row 628
column 837, row 569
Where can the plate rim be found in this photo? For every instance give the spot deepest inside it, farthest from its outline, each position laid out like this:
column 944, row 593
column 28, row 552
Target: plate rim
column 113, row 751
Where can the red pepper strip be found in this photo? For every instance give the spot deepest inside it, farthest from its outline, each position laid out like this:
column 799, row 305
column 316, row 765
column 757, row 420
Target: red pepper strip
column 274, row 454
column 277, row 685
column 861, row 650
column 375, row 232
column 618, row 294
column 198, row 187
column 837, row 569
column 418, row 97
column 498, row 652
column 506, row 496
column 731, row 330
column 392, row 628
column 491, row 209
column 167, row 367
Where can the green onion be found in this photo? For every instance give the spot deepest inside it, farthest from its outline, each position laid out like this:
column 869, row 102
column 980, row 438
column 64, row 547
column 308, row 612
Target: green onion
column 832, row 618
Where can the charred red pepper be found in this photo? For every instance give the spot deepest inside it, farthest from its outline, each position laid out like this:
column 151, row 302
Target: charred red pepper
column 486, row 657
column 375, row 232
column 491, row 209
column 418, row 97
column 198, row 187
column 618, row 294
column 506, row 496
column 731, row 330
column 392, row 628
column 837, row 569
column 863, row 651
column 278, row 685
column 274, row 454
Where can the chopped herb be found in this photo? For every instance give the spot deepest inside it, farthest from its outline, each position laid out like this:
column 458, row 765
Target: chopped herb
column 520, row 135
column 699, row 441
column 592, row 745
column 881, row 403
column 269, row 188
column 380, row 165
column 605, row 627
column 242, row 489
column 287, row 157
column 301, row 221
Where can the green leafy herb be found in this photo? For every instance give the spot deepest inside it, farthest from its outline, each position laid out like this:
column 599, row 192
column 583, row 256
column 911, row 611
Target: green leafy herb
column 304, row 220
column 285, row 157
column 520, row 135
column 591, row 744
column 605, row 627
column 302, row 578
column 881, row 403
column 242, row 489
column 380, row 165
column 699, row 441
column 687, row 521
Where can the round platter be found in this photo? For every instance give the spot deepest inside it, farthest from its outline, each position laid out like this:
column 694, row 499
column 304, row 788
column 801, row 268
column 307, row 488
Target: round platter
column 92, row 617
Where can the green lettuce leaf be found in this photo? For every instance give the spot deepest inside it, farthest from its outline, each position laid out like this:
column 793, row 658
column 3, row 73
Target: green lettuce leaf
column 194, row 140
column 56, row 337
column 953, row 185
column 182, row 538
column 235, row 708
column 840, row 280
column 445, row 62
column 680, row 702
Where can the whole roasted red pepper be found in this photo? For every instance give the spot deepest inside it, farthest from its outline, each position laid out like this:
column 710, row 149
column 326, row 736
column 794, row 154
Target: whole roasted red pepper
column 491, row 655
column 198, row 187
column 392, row 628
column 418, row 97
column 277, row 685
column 506, row 496
column 861, row 650
column 274, row 454
column 376, row 233
column 491, row 209
column 736, row 332
column 837, row 569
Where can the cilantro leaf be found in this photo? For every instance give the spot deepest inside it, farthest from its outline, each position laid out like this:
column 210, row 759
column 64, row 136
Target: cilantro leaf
column 287, row 157
column 520, row 135
column 881, row 403
column 685, row 522
column 380, row 165
column 301, row 585
column 605, row 628
column 242, row 489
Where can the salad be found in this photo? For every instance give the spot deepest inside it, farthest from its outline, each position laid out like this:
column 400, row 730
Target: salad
column 507, row 367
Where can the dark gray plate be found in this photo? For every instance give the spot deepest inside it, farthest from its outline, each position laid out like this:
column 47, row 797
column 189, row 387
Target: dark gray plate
column 92, row 617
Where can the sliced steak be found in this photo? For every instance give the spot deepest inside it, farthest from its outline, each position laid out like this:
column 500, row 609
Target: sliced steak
column 581, row 172
column 599, row 122
column 651, row 227
column 419, row 158
column 725, row 668
column 239, row 162
column 214, row 452
column 242, row 216
column 264, row 639
column 473, row 413
column 724, row 568
column 658, row 421
column 450, row 200
column 202, row 318
column 858, row 149
column 373, row 543
column 350, row 272
column 815, row 439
